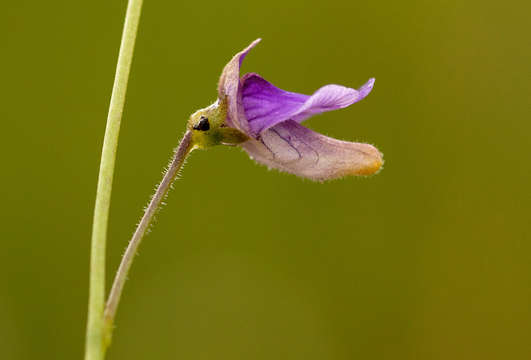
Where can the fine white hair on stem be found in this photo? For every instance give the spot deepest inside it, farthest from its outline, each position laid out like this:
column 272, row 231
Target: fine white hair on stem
column 143, row 227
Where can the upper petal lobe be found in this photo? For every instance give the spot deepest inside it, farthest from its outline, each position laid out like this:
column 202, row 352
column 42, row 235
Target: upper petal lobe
column 265, row 105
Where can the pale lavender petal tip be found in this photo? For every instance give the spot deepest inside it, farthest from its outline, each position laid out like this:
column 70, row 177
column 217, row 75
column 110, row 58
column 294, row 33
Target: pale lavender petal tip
column 366, row 88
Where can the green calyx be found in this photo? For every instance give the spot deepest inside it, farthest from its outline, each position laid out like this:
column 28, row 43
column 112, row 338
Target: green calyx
column 209, row 128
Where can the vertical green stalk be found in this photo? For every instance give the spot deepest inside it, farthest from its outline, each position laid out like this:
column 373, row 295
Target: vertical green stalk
column 94, row 349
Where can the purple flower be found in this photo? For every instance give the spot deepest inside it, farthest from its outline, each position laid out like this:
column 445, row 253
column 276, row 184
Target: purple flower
column 271, row 117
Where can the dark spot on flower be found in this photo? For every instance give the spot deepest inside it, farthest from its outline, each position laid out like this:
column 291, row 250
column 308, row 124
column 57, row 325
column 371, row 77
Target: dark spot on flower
column 203, row 124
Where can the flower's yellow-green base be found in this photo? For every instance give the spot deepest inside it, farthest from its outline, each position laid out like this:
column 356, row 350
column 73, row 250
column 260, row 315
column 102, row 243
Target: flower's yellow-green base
column 209, row 128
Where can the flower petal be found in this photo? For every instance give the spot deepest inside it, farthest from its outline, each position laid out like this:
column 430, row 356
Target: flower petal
column 265, row 105
column 295, row 149
column 229, row 87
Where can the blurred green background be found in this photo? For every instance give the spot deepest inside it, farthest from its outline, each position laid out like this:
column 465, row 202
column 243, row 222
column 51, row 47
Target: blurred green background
column 430, row 259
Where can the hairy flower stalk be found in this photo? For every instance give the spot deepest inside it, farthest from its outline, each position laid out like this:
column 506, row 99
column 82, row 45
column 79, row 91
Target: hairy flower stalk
column 162, row 190
column 205, row 128
column 265, row 121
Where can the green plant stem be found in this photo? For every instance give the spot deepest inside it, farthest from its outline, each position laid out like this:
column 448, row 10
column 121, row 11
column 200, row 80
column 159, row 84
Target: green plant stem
column 94, row 349
column 181, row 152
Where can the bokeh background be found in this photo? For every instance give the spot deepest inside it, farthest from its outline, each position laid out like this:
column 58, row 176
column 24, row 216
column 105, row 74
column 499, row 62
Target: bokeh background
column 430, row 259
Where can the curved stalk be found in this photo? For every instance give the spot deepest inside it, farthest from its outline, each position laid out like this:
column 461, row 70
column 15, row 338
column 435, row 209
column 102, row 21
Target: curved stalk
column 184, row 148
